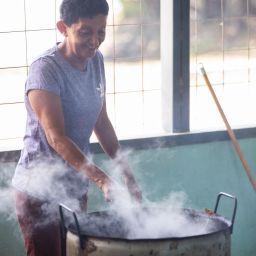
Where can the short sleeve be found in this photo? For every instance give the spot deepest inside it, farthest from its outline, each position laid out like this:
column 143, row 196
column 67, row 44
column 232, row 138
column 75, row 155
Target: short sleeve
column 42, row 75
column 102, row 69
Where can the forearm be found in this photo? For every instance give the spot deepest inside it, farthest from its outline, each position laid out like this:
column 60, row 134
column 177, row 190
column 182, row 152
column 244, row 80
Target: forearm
column 109, row 142
column 69, row 151
column 48, row 109
column 107, row 138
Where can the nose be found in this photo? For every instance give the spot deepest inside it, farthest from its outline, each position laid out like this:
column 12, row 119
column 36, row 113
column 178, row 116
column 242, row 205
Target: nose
column 95, row 41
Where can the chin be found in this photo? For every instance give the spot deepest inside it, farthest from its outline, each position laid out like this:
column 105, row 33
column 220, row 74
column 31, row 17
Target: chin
column 90, row 54
column 93, row 52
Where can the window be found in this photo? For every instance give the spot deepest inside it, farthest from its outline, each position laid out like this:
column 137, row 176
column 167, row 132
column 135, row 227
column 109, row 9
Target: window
column 132, row 62
column 132, row 58
column 22, row 38
column 151, row 88
column 223, row 39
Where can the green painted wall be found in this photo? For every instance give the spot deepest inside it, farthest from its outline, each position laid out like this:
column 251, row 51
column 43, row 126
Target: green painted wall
column 201, row 171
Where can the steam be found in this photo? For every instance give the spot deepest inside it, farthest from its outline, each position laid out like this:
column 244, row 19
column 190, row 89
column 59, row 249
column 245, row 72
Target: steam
column 52, row 185
column 165, row 218
column 6, row 194
column 161, row 219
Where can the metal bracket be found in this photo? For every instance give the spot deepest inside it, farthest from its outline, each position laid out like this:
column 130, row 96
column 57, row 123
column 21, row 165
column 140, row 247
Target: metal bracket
column 234, row 210
column 64, row 227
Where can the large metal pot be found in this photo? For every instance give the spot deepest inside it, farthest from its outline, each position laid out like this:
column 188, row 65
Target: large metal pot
column 109, row 236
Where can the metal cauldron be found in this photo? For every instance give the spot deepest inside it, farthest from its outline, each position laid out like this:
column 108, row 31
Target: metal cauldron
column 109, row 236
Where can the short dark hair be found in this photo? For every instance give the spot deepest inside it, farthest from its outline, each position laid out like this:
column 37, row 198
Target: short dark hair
column 72, row 10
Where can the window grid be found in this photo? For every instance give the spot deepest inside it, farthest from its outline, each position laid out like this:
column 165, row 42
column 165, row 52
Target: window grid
column 139, row 24
column 222, row 20
column 228, row 59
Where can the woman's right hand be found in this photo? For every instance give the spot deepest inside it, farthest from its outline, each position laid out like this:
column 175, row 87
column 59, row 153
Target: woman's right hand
column 99, row 177
column 107, row 188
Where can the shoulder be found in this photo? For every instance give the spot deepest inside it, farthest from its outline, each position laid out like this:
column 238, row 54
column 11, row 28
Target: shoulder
column 97, row 61
column 46, row 60
column 44, row 69
column 44, row 73
column 98, row 56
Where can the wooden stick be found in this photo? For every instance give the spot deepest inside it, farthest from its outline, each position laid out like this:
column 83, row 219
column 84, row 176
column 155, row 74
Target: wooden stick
column 230, row 131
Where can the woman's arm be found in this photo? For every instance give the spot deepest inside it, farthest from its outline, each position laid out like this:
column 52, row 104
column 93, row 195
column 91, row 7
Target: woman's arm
column 106, row 134
column 48, row 109
column 109, row 142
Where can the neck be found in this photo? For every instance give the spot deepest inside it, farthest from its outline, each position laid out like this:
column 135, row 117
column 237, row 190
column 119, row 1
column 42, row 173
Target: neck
column 70, row 57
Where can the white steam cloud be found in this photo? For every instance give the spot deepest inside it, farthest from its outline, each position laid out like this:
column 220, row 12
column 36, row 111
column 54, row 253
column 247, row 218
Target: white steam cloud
column 152, row 220
column 6, row 194
column 166, row 218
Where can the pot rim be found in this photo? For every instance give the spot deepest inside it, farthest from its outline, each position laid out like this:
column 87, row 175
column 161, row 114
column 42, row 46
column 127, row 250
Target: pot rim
column 226, row 227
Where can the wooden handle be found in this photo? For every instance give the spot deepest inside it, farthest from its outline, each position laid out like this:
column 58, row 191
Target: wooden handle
column 230, row 131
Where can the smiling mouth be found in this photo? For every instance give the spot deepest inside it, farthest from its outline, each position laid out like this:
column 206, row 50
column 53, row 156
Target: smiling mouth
column 86, row 50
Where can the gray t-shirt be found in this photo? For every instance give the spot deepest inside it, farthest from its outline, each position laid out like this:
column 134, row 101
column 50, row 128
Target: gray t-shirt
column 82, row 96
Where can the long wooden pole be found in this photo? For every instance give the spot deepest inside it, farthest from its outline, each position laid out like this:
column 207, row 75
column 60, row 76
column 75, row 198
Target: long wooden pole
column 230, row 131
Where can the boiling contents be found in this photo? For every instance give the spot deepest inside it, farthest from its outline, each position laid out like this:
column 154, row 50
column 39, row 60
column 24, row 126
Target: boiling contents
column 145, row 223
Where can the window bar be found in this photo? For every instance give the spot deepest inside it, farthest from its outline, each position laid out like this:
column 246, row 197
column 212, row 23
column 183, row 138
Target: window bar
column 181, row 73
column 26, row 39
column 114, row 62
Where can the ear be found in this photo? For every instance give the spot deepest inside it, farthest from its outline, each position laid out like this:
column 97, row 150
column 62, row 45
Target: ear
column 61, row 26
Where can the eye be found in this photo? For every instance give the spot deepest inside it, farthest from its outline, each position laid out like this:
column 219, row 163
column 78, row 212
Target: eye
column 84, row 33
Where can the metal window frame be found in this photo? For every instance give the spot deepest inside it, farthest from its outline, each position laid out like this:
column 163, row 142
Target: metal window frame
column 181, row 71
column 174, row 140
column 175, row 58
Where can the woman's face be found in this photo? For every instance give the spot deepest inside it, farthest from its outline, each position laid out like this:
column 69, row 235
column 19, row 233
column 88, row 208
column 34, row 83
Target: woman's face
column 84, row 37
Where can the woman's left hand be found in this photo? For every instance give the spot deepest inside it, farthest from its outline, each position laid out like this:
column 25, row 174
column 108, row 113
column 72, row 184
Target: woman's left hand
column 132, row 186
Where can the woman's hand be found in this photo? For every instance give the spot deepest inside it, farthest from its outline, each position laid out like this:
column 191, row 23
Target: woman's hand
column 107, row 188
column 132, row 186
column 112, row 190
column 130, row 181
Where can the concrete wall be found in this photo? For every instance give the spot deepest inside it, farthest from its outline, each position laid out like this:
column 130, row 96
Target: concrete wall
column 201, row 171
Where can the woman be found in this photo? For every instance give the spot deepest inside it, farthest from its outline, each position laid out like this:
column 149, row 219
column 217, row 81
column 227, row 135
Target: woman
column 65, row 102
